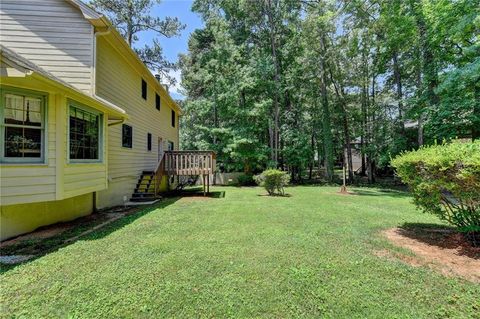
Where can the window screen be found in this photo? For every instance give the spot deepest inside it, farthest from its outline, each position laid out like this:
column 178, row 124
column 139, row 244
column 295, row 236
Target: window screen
column 144, row 89
column 84, row 134
column 157, row 101
column 127, row 136
column 23, row 122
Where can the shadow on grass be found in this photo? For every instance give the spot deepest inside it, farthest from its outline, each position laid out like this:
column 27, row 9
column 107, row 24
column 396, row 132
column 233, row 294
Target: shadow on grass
column 195, row 192
column 84, row 228
column 443, row 236
column 275, row 195
column 381, row 193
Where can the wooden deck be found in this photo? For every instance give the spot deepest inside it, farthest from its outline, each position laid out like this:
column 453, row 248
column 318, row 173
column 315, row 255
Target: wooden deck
column 186, row 163
column 190, row 162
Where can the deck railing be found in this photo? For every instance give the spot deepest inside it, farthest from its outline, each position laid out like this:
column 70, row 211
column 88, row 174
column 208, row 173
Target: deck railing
column 190, row 162
column 186, row 163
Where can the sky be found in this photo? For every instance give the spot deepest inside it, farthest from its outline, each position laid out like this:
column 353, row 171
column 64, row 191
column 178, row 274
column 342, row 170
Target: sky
column 174, row 46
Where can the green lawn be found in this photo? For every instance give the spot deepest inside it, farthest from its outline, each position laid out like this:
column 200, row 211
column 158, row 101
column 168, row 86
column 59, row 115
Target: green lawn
column 244, row 255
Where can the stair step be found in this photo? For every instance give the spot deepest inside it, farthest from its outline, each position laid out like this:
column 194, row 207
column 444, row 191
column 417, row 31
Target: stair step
column 144, row 191
column 145, row 195
column 140, row 199
column 145, row 184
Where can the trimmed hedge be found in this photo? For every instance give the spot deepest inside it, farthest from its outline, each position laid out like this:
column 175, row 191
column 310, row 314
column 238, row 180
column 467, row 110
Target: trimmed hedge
column 445, row 181
column 273, row 180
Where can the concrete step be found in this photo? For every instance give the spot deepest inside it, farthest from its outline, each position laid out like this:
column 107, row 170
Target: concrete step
column 143, row 195
column 139, row 199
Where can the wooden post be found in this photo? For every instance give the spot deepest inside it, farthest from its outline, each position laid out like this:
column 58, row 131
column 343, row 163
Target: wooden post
column 208, row 183
column 203, row 176
column 343, row 189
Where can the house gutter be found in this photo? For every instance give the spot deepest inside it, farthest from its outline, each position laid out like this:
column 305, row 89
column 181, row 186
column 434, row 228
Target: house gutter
column 94, row 62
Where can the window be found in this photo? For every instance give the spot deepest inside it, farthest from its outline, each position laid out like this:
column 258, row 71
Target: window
column 22, row 127
column 149, row 141
column 127, row 136
column 173, row 118
column 144, row 89
column 171, row 146
column 157, row 101
column 85, row 133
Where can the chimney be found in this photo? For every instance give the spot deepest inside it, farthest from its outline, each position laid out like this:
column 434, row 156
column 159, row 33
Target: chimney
column 157, row 76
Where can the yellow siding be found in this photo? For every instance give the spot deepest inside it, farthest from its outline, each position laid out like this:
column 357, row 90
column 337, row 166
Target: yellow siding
column 28, row 183
column 82, row 178
column 118, row 82
column 24, row 218
column 52, row 34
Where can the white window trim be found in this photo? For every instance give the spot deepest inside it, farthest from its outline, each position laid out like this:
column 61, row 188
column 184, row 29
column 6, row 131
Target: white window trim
column 42, row 160
column 101, row 134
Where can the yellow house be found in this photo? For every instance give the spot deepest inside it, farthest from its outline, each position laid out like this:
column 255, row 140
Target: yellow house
column 81, row 117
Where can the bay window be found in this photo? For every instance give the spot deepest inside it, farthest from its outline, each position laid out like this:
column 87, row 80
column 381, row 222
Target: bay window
column 85, row 133
column 22, row 135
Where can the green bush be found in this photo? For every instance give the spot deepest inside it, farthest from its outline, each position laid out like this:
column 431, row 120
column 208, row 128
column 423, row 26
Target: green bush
column 445, row 181
column 273, row 180
column 245, row 180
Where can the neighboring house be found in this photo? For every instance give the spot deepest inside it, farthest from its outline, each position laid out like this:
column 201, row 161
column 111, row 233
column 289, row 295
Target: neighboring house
column 81, row 117
column 356, row 147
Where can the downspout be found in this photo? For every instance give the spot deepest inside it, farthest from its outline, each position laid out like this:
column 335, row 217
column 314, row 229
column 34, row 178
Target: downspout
column 94, row 62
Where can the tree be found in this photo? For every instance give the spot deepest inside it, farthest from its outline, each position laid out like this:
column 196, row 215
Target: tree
column 131, row 17
column 292, row 84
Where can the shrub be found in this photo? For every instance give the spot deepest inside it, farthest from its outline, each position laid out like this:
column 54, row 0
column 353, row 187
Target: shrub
column 273, row 180
column 445, row 181
column 245, row 180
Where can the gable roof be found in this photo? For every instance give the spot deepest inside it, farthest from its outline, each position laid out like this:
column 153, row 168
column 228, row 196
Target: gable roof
column 101, row 23
column 22, row 65
column 88, row 13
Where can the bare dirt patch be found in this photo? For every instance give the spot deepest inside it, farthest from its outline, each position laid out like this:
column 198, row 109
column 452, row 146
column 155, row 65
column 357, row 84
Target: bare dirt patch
column 41, row 233
column 50, row 237
column 441, row 249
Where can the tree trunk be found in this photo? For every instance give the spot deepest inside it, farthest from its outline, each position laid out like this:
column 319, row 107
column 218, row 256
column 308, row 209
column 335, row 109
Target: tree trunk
column 312, row 159
column 421, row 105
column 346, row 131
column 327, row 131
column 420, row 130
column 371, row 170
column 130, row 23
column 398, row 82
column 428, row 61
column 363, row 143
column 476, row 114
column 276, row 79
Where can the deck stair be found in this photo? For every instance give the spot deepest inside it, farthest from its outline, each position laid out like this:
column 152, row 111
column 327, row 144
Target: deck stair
column 145, row 188
column 185, row 166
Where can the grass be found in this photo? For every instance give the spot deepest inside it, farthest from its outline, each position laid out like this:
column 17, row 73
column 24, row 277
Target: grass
column 244, row 255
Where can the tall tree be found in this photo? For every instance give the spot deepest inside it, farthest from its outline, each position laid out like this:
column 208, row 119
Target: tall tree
column 131, row 17
column 297, row 84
